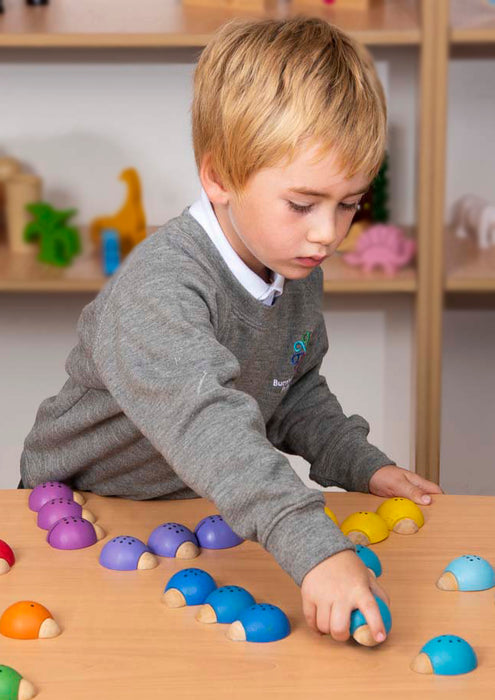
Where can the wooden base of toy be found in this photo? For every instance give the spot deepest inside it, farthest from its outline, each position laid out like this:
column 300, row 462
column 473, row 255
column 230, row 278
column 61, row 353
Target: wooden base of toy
column 187, row 550
column 447, row 582
column 4, row 567
column 173, row 598
column 406, row 526
column 147, row 561
column 422, row 664
column 206, row 614
column 100, row 532
column 88, row 515
column 78, row 498
column 49, row 629
column 26, row 690
column 236, row 632
column 364, row 637
column 358, row 537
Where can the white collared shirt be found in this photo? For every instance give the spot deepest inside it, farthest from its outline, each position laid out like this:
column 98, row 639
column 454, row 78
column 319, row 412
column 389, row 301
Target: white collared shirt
column 203, row 212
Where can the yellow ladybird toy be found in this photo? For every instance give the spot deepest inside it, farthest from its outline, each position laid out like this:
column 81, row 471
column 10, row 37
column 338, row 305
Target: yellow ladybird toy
column 401, row 515
column 365, row 528
column 331, row 515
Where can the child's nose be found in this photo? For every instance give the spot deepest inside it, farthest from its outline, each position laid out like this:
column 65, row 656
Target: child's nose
column 324, row 233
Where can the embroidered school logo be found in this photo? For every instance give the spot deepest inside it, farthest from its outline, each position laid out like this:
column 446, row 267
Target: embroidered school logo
column 300, row 348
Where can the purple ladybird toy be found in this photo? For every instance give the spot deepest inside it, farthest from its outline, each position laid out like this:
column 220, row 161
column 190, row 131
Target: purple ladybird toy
column 173, row 540
column 74, row 533
column 43, row 493
column 214, row 533
column 58, row 508
column 127, row 554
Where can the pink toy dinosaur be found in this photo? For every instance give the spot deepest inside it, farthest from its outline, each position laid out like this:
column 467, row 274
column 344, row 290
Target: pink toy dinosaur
column 382, row 246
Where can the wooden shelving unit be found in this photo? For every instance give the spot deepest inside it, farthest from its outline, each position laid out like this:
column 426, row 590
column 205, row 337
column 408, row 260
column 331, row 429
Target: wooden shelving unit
column 162, row 23
column 467, row 268
column 472, row 22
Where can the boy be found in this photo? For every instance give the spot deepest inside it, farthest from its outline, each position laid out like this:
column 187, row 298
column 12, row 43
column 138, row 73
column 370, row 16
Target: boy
column 202, row 354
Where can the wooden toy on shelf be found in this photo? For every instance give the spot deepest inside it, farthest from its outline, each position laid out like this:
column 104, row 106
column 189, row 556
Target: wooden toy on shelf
column 110, row 250
column 59, row 243
column 474, row 217
column 8, row 168
column 129, row 221
column 382, row 246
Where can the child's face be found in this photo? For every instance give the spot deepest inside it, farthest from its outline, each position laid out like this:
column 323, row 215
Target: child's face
column 289, row 219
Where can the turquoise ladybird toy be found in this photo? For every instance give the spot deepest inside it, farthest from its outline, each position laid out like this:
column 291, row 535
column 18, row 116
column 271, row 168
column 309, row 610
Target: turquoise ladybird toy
column 188, row 587
column 260, row 623
column 13, row 686
column 360, row 630
column 467, row 573
column 446, row 655
column 370, row 559
column 225, row 605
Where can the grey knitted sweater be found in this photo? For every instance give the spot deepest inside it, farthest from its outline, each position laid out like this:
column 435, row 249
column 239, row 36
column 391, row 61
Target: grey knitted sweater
column 182, row 383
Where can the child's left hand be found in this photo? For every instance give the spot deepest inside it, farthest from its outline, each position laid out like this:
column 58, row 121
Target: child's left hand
column 396, row 481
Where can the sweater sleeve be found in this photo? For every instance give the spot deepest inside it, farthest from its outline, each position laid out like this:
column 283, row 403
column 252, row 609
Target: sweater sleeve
column 310, row 422
column 157, row 352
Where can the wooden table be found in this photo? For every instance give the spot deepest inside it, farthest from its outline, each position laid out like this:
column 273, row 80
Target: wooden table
column 120, row 642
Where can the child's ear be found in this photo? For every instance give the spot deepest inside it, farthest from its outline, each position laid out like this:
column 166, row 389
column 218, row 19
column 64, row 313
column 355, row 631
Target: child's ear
column 212, row 184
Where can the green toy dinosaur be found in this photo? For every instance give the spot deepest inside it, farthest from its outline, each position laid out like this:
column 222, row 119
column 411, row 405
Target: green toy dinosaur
column 59, row 243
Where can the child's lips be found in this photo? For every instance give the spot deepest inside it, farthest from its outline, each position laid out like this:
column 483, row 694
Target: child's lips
column 310, row 262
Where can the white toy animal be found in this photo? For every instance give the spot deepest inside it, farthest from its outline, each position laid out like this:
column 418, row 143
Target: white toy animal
column 475, row 216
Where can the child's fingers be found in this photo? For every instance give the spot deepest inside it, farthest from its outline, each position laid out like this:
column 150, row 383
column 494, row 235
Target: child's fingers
column 340, row 622
column 428, row 486
column 377, row 590
column 323, row 613
column 370, row 610
column 309, row 611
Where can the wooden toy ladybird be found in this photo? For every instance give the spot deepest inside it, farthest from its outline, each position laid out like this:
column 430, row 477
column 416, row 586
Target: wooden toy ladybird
column 7, row 557
column 401, row 515
column 188, row 587
column 331, row 515
column 359, row 628
column 446, row 655
column 370, row 559
column 13, row 686
column 52, row 489
column 260, row 623
column 74, row 533
column 365, row 527
column 214, row 533
column 27, row 619
column 173, row 540
column 467, row 573
column 225, row 604
column 127, row 553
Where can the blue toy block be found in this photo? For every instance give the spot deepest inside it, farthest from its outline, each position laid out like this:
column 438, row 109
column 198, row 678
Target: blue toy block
column 110, row 248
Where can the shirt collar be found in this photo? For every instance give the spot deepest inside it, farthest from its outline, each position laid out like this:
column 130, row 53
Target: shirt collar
column 265, row 292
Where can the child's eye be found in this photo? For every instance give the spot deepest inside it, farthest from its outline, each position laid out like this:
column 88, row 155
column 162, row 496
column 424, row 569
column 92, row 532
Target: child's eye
column 300, row 208
column 350, row 207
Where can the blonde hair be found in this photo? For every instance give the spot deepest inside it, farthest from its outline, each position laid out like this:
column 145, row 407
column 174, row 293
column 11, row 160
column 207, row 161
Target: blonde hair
column 262, row 88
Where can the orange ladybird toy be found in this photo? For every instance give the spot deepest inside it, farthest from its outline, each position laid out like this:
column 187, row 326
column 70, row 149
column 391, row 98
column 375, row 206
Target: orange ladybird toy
column 28, row 620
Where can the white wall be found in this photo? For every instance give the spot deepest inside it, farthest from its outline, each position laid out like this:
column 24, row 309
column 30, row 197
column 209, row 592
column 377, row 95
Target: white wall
column 77, row 118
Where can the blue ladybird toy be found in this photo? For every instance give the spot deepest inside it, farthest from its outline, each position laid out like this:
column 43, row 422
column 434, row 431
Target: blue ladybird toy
column 369, row 559
column 467, row 573
column 225, row 605
column 359, row 628
column 446, row 655
column 188, row 587
column 260, row 623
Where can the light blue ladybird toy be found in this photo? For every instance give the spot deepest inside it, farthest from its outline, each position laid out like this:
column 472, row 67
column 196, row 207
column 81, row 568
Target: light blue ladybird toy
column 359, row 628
column 260, row 623
column 467, row 573
column 188, row 587
column 446, row 655
column 225, row 605
column 369, row 559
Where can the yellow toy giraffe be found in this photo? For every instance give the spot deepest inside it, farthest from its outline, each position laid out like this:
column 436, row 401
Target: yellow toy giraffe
column 129, row 221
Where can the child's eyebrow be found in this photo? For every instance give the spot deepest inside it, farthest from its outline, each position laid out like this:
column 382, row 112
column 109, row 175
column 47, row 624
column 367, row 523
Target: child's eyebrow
column 315, row 193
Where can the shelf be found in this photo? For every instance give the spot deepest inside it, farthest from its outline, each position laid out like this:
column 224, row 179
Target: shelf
column 21, row 272
column 168, row 23
column 472, row 22
column 468, row 269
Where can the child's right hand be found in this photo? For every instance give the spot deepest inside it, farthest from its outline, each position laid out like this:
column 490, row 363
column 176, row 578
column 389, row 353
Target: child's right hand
column 336, row 587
